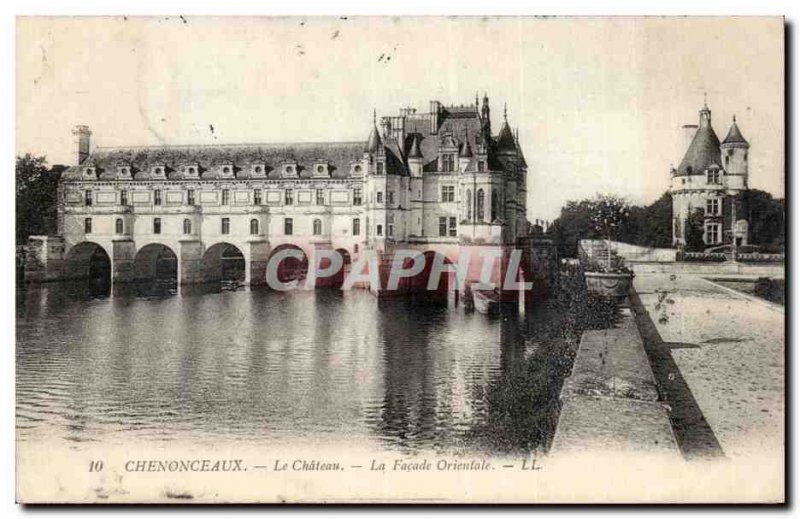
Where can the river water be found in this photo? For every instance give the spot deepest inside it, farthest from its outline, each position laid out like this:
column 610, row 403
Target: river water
column 286, row 368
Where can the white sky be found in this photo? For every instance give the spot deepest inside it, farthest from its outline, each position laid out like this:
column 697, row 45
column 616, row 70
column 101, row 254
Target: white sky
column 599, row 102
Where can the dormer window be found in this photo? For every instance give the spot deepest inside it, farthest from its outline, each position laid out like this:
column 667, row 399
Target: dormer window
column 379, row 168
column 226, row 170
column 91, row 171
column 321, row 170
column 259, row 170
column 159, row 171
column 124, row 171
column 713, row 176
column 290, row 170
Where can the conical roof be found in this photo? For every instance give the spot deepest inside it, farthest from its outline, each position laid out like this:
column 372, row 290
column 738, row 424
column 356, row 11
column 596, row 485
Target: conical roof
column 703, row 152
column 374, row 142
column 415, row 153
column 466, row 150
column 735, row 136
column 505, row 141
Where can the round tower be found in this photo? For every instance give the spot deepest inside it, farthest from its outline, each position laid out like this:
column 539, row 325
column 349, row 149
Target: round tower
column 734, row 156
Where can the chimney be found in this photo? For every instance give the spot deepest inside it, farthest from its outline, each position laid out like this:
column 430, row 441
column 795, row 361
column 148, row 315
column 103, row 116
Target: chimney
column 435, row 107
column 83, row 142
column 689, row 130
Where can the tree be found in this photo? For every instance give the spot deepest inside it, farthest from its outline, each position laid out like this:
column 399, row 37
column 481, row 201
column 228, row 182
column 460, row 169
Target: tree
column 36, row 197
column 607, row 213
column 694, row 231
column 767, row 216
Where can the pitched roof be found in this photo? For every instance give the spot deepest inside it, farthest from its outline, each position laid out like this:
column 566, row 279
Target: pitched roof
column 338, row 155
column 414, row 153
column 734, row 135
column 505, row 140
column 703, row 152
column 374, row 141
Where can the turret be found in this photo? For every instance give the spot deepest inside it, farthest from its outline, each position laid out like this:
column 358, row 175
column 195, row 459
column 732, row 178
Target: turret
column 486, row 121
column 734, row 152
column 464, row 153
column 505, row 141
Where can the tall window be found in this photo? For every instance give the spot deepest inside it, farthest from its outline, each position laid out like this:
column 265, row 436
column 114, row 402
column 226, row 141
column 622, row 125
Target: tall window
column 379, row 230
column 187, row 226
column 226, row 226
column 379, row 169
column 448, row 162
column 317, row 227
column 712, row 207
column 87, row 225
column 253, row 227
column 190, row 196
column 713, row 176
column 453, row 230
column 356, row 227
column 226, row 197
column 119, row 227
column 87, row 198
column 123, row 197
column 712, row 233
column 320, row 197
column 479, row 208
column 379, row 197
column 390, row 197
column 495, row 204
column 481, row 166
column 256, row 197
column 442, row 226
column 468, row 203
column 356, row 196
column 157, row 197
column 156, row 225
column 448, row 193
column 288, row 226
column 288, row 197
column 390, row 225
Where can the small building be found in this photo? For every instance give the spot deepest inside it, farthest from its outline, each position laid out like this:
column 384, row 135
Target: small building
column 712, row 177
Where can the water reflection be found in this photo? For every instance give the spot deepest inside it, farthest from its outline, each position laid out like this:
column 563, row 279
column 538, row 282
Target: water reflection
column 159, row 362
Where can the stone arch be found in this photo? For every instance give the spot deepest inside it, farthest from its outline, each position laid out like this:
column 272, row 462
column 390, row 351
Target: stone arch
column 418, row 285
column 224, row 262
column 155, row 261
column 88, row 260
column 337, row 280
column 289, row 269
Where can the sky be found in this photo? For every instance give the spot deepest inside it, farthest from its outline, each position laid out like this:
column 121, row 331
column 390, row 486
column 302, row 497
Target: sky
column 599, row 102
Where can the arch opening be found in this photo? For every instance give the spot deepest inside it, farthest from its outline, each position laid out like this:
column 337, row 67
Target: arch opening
column 291, row 268
column 88, row 260
column 156, row 262
column 224, row 263
column 418, row 285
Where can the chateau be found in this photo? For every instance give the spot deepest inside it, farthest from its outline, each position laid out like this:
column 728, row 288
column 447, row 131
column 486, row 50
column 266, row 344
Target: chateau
column 433, row 181
column 712, row 177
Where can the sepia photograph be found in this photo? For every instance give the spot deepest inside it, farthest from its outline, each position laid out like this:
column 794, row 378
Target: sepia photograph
column 400, row 260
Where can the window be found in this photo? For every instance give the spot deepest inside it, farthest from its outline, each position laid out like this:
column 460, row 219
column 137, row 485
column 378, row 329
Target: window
column 356, row 227
column 119, row 226
column 390, row 225
column 87, row 225
column 712, row 233
column 448, row 162
column 712, row 207
column 495, row 204
column 390, row 197
column 257, row 197
column 479, row 208
column 379, row 197
column 226, row 226
column 481, row 166
column 123, row 197
column 448, row 193
column 379, row 170
column 468, row 203
column 713, row 176
column 157, row 197
column 356, row 196
column 187, row 226
column 453, row 230
column 320, row 196
column 379, row 230
column 226, row 196
column 87, row 198
column 190, row 196
column 156, row 225
column 253, row 227
column 317, row 227
column 287, row 226
column 288, row 197
column 442, row 226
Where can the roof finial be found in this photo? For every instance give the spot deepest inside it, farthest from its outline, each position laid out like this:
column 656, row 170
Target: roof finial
column 374, row 117
column 505, row 112
column 477, row 103
column 734, row 118
column 705, row 100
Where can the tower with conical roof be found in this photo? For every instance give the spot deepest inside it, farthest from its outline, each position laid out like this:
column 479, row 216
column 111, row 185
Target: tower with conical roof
column 710, row 179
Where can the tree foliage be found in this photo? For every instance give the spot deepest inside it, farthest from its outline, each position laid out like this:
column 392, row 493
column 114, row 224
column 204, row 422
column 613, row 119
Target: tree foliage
column 694, row 231
column 767, row 216
column 36, row 197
